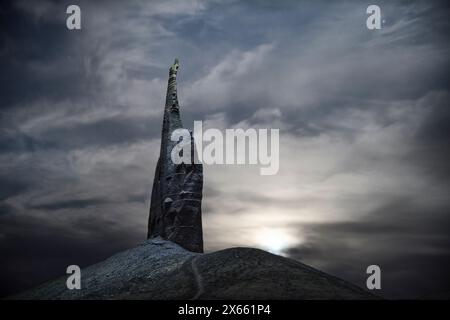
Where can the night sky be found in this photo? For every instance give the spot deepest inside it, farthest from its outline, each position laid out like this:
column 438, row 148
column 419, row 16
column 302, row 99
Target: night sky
column 363, row 115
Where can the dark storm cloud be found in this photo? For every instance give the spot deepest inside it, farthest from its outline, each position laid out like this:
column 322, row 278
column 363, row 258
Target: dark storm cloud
column 411, row 251
column 39, row 57
column 17, row 142
column 103, row 133
column 35, row 250
column 84, row 203
column 432, row 147
column 11, row 186
column 363, row 117
column 70, row 204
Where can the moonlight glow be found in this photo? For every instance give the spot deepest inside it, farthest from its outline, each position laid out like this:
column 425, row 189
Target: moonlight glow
column 275, row 240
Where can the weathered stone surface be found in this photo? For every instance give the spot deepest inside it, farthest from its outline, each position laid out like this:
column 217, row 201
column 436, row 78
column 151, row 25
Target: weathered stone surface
column 160, row 269
column 175, row 210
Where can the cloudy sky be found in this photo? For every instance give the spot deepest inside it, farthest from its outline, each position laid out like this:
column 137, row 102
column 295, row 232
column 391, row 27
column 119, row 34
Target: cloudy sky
column 363, row 115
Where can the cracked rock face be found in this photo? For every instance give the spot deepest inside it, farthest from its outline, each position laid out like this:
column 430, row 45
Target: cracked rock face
column 160, row 269
column 175, row 210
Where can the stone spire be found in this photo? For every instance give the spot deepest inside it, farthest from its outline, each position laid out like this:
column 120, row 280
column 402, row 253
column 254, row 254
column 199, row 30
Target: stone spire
column 175, row 209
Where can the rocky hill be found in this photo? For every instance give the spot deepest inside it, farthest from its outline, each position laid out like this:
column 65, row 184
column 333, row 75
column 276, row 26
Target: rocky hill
column 159, row 269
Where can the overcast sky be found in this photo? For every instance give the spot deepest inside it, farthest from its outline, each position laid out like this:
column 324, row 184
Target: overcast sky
column 363, row 115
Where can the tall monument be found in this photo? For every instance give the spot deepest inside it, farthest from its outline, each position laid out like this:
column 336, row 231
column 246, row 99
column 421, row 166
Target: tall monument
column 175, row 209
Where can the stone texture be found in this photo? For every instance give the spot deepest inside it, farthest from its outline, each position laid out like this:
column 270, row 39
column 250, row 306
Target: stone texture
column 159, row 269
column 175, row 210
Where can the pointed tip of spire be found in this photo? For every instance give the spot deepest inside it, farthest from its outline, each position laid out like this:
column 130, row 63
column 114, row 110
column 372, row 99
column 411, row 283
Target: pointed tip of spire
column 175, row 66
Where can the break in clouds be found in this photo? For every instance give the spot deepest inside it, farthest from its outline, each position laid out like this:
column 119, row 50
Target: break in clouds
column 363, row 116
